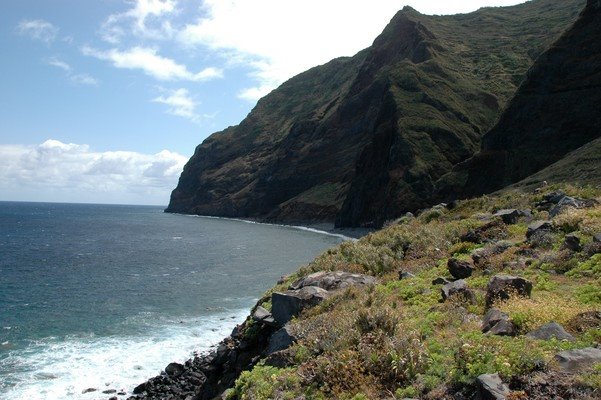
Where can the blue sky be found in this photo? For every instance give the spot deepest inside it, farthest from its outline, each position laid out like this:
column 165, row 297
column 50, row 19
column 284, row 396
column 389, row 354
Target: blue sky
column 105, row 100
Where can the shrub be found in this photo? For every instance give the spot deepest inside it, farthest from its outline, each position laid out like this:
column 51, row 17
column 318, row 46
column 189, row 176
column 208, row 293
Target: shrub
column 529, row 314
column 588, row 269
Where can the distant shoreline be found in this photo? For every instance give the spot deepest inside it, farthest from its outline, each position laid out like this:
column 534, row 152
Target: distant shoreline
column 323, row 228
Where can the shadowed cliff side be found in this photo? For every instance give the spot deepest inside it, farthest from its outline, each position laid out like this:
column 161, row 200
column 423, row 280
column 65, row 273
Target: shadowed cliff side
column 363, row 139
column 554, row 112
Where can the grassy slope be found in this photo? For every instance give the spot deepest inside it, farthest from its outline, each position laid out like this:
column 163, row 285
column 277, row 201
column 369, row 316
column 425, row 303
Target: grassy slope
column 581, row 166
column 397, row 340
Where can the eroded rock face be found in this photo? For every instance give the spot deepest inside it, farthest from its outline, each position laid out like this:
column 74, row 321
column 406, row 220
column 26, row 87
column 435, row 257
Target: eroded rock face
column 502, row 287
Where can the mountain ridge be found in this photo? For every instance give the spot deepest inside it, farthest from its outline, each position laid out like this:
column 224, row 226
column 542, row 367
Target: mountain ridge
column 362, row 139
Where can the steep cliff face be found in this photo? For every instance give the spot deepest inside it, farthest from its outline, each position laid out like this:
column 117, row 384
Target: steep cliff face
column 362, row 139
column 555, row 111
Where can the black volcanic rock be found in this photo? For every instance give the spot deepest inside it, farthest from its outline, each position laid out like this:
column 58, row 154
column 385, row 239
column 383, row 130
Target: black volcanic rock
column 555, row 111
column 363, row 139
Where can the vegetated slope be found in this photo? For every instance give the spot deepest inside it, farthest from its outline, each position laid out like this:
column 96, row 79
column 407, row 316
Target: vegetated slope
column 581, row 166
column 457, row 293
column 361, row 139
column 555, row 111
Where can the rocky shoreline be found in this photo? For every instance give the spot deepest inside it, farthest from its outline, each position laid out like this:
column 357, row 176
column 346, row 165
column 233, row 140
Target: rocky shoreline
column 264, row 335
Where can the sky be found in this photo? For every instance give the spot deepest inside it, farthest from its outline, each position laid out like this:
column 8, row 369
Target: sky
column 104, row 101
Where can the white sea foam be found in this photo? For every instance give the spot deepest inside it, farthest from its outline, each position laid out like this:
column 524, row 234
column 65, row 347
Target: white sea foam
column 63, row 369
column 301, row 228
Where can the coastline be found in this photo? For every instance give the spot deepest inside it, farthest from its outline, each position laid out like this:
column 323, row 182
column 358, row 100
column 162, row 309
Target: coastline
column 324, row 228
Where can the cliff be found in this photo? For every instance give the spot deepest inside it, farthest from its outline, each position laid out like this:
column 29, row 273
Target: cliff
column 360, row 140
column 554, row 112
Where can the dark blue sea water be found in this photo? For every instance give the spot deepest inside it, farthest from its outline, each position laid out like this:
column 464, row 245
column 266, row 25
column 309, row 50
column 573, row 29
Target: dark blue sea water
column 104, row 296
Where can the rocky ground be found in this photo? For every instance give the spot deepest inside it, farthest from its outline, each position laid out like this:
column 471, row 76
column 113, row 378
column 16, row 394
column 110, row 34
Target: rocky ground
column 491, row 298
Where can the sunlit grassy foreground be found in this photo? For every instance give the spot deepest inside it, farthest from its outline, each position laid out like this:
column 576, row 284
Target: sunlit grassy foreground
column 397, row 339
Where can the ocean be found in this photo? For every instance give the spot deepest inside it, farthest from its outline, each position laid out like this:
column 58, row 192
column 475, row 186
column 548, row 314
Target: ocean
column 104, row 296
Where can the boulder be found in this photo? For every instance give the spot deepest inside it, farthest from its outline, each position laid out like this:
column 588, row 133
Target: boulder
column 405, row 275
column 458, row 289
column 174, row 369
column 579, row 359
column 570, row 202
column 492, row 317
column 551, row 331
column 280, row 340
column 264, row 316
column 553, row 197
column 459, row 269
column 332, row 280
column 289, row 304
column 503, row 328
column 502, row 287
column 491, row 387
column 572, row 242
column 88, row 390
column 440, row 281
column 597, row 238
column 511, row 216
column 141, row 388
column 493, row 230
column 479, row 256
column 537, row 227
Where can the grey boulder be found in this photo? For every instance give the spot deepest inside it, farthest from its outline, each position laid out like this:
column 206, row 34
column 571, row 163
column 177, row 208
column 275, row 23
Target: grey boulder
column 280, row 340
column 459, row 290
column 491, row 387
column 538, row 226
column 496, row 322
column 550, row 331
column 286, row 305
column 578, row 360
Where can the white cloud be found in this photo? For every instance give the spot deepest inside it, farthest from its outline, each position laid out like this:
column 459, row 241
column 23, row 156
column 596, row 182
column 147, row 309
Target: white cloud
column 180, row 103
column 38, row 29
column 58, row 171
column 278, row 39
column 137, row 20
column 147, row 60
column 78, row 79
column 84, row 79
column 55, row 62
